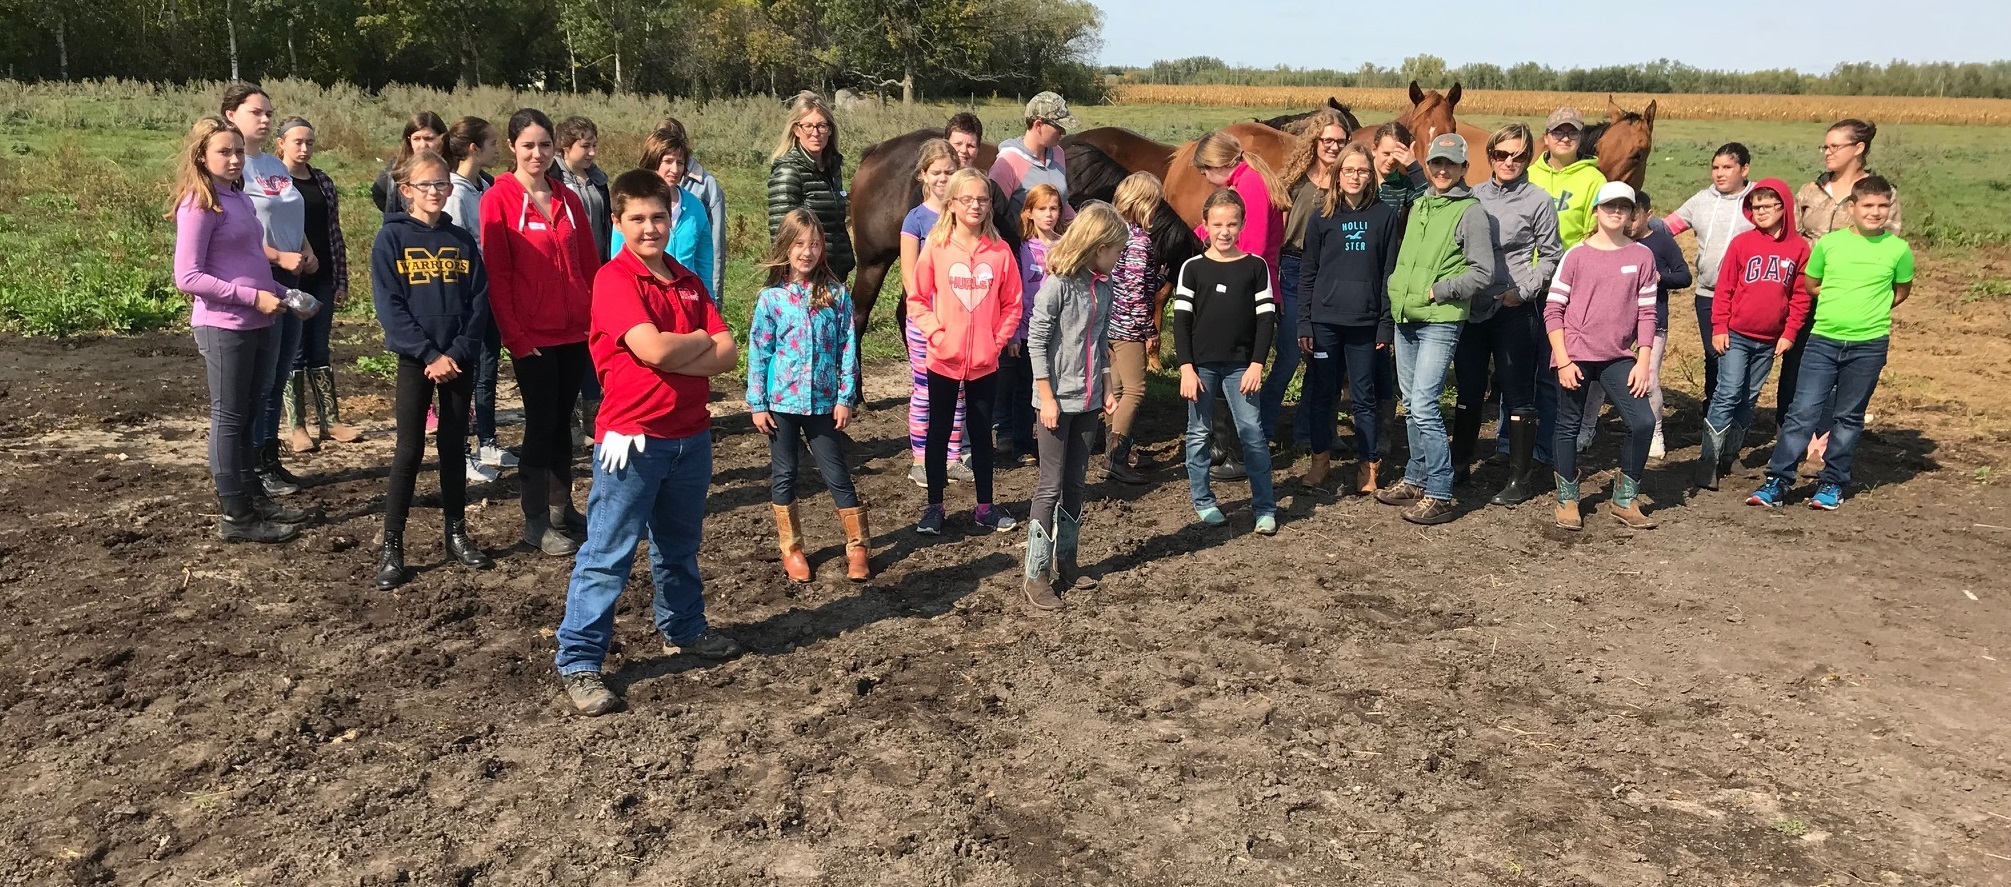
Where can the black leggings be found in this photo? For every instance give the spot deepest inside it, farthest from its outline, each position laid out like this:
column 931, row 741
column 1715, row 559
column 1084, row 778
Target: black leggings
column 549, row 384
column 980, row 394
column 415, row 394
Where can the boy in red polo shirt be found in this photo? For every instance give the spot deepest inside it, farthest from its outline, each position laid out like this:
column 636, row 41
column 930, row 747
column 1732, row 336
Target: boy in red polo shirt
column 656, row 338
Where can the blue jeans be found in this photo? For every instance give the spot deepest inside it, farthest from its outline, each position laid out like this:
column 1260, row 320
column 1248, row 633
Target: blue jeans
column 287, row 327
column 827, row 447
column 1337, row 348
column 1610, row 377
column 1742, row 372
column 1012, row 410
column 1223, row 379
column 1285, row 362
column 1836, row 377
column 1424, row 353
column 486, row 367
column 660, row 491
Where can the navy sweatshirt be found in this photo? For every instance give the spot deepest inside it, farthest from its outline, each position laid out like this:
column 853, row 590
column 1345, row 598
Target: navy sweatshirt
column 1669, row 261
column 1344, row 276
column 431, row 293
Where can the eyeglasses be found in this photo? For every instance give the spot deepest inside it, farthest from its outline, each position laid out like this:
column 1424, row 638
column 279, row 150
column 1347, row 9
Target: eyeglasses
column 1766, row 207
column 973, row 202
column 814, row 127
column 1828, row 148
column 1505, row 157
column 1356, row 172
column 1332, row 143
column 442, row 187
column 1565, row 134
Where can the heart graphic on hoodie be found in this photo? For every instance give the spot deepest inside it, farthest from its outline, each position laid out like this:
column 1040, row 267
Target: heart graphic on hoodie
column 971, row 286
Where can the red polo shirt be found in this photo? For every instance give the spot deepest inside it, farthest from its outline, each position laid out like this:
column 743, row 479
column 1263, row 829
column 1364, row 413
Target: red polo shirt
column 638, row 398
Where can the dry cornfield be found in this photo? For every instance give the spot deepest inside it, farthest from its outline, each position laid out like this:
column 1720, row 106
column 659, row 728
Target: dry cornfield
column 1526, row 103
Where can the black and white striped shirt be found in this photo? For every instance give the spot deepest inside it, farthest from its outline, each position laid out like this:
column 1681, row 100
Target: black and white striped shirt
column 1223, row 311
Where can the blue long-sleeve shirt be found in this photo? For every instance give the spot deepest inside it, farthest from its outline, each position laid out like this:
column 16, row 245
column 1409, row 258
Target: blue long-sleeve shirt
column 690, row 239
column 1669, row 262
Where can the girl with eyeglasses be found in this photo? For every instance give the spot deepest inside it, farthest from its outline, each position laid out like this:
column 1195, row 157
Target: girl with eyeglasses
column 807, row 171
column 1309, row 178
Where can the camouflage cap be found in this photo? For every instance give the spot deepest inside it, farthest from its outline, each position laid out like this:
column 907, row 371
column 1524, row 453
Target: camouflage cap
column 1565, row 117
column 1052, row 108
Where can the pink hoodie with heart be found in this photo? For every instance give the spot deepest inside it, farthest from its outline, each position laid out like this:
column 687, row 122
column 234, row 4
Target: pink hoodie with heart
column 967, row 305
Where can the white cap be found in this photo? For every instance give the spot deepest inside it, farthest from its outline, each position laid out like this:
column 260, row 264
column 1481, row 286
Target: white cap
column 1612, row 191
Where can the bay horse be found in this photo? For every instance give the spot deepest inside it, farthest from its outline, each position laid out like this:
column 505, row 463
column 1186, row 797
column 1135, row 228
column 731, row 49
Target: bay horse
column 1295, row 124
column 883, row 190
column 1622, row 144
column 1430, row 115
column 1187, row 188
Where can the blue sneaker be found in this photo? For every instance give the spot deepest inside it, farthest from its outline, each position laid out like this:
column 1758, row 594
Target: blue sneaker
column 1211, row 516
column 993, row 517
column 1827, row 497
column 1772, row 494
column 931, row 523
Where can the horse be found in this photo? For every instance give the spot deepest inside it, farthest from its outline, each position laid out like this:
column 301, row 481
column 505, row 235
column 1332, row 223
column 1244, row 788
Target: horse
column 1296, row 123
column 1431, row 115
column 1622, row 143
column 883, row 190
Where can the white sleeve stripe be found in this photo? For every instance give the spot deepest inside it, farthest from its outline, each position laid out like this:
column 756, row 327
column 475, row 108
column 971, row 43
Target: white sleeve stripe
column 1183, row 305
column 1646, row 289
column 1559, row 286
column 1266, row 308
column 1560, row 298
column 1647, row 301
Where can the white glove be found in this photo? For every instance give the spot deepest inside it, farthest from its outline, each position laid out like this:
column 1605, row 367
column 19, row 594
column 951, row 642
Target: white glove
column 615, row 449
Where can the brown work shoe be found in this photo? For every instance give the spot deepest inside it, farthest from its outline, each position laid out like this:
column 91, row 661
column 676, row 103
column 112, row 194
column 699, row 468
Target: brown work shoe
column 1567, row 516
column 1429, row 511
column 1402, row 493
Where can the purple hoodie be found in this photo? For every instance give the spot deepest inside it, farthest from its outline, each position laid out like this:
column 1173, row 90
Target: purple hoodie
column 220, row 260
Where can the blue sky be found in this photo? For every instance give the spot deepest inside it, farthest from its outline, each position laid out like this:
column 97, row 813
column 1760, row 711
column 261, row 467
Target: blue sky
column 1802, row 35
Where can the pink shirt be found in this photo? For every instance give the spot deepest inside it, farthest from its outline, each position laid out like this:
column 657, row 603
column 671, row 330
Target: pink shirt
column 220, row 260
column 1263, row 224
column 1604, row 301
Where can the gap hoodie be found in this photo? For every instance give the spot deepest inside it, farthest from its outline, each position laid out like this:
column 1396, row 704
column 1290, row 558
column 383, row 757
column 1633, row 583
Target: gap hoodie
column 1344, row 273
column 1571, row 191
column 967, row 305
column 430, row 290
column 1762, row 291
column 541, row 268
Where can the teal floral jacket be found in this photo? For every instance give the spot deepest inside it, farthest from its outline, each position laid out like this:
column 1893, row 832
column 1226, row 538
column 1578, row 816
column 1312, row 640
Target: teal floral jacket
column 801, row 361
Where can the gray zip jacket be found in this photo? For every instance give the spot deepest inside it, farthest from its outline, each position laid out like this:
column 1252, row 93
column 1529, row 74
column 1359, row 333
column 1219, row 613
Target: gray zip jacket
column 1526, row 244
column 1068, row 340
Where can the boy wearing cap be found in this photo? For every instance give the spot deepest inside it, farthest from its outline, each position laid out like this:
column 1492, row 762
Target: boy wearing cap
column 1036, row 158
column 1856, row 276
column 1447, row 258
column 1600, row 321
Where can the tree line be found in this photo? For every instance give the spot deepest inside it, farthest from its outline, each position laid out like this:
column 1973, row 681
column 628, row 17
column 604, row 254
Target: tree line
column 1898, row 78
column 697, row 48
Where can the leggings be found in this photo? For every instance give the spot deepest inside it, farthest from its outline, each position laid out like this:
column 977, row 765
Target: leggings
column 918, row 402
column 550, row 384
column 1127, row 383
column 1064, row 467
column 415, row 394
column 237, row 364
column 978, row 396
column 827, row 446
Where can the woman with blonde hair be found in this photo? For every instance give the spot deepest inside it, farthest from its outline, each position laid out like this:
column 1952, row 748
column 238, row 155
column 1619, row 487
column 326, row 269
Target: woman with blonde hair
column 807, row 171
column 1309, row 177
column 1068, row 345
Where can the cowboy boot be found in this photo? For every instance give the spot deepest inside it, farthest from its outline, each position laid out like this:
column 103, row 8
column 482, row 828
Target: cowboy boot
column 1316, row 470
column 858, row 543
column 1625, row 503
column 1365, row 476
column 1067, row 546
column 1521, row 486
column 1708, row 458
column 1039, row 585
column 791, row 543
column 322, row 381
column 1728, row 451
column 293, row 411
column 1566, row 513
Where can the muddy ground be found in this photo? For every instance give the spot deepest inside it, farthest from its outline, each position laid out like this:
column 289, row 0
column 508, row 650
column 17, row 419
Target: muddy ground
column 1740, row 697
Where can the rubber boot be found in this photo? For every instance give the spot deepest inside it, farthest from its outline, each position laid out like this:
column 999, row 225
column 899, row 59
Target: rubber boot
column 241, row 523
column 1567, row 505
column 1465, row 436
column 1728, row 452
column 321, row 380
column 272, row 475
column 1067, row 549
column 1117, row 462
column 461, row 549
column 563, row 515
column 1521, row 487
column 1625, row 503
column 791, row 543
column 1225, row 447
column 293, row 413
column 539, row 534
column 391, row 561
column 1317, row 469
column 1039, row 585
column 1365, row 476
column 1708, row 458
column 858, row 543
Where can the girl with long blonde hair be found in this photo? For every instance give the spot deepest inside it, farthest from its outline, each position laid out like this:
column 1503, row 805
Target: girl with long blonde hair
column 1221, row 158
column 1134, row 318
column 807, row 171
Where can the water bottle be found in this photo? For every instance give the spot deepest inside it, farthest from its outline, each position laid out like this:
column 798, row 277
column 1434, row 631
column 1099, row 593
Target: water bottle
column 302, row 303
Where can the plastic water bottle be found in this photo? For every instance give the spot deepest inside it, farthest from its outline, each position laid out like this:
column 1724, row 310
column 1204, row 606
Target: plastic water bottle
column 302, row 303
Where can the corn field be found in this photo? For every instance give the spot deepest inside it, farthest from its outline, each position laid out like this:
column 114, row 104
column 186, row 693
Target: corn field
column 1508, row 103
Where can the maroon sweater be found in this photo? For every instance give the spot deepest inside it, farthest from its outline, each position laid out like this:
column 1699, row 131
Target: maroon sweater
column 1603, row 300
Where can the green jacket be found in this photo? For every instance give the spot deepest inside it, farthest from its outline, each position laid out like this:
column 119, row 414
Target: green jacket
column 793, row 181
column 1572, row 190
column 1446, row 259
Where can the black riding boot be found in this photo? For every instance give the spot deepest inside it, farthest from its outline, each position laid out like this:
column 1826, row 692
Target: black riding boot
column 1465, row 435
column 1521, row 486
column 1225, row 447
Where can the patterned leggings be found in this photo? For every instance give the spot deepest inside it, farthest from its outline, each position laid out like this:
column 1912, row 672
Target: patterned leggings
column 918, row 401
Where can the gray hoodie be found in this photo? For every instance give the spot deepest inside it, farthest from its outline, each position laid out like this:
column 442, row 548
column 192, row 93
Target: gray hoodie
column 464, row 206
column 1526, row 246
column 593, row 192
column 1068, row 340
column 700, row 184
column 1716, row 218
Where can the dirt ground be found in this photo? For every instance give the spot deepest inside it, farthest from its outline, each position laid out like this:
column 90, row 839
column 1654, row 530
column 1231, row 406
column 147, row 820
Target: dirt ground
column 1740, row 697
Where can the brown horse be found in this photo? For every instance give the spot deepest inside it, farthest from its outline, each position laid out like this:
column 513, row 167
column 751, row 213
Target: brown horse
column 1430, row 114
column 1295, row 124
column 1623, row 142
column 883, row 190
column 1187, row 188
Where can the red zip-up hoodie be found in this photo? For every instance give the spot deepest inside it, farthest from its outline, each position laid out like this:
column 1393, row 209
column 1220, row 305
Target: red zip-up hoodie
column 1762, row 293
column 541, row 269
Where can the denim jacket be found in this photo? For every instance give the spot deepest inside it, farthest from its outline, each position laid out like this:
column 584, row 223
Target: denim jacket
column 800, row 361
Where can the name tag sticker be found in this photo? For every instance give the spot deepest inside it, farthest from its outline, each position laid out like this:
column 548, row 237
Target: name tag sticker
column 536, row 226
column 1319, row 355
column 1221, row 287
column 1629, row 269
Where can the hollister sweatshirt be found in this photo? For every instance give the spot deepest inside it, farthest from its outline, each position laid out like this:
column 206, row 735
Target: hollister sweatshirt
column 1344, row 275
column 1762, row 293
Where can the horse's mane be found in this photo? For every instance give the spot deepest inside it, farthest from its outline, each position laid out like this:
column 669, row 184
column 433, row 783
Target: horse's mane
column 1588, row 145
column 1092, row 174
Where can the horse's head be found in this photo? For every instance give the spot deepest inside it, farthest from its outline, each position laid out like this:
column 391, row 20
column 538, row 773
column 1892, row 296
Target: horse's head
column 1624, row 144
column 1430, row 115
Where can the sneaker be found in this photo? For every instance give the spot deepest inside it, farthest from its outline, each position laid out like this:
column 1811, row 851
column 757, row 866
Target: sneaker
column 1430, row 511
column 708, row 644
column 1267, row 525
column 920, row 475
column 589, row 694
column 1772, row 494
column 932, row 520
column 493, row 455
column 1401, row 493
column 1656, row 450
column 1828, row 497
column 481, row 471
column 1211, row 516
column 960, row 472
column 994, row 517
column 432, row 419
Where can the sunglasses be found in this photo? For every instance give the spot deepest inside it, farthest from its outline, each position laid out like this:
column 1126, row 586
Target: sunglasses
column 1505, row 157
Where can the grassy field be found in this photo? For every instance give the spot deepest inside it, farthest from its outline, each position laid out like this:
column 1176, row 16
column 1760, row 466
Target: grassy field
column 84, row 173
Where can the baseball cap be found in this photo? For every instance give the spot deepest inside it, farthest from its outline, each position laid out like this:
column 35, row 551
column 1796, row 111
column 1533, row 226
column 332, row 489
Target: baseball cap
column 1052, row 108
column 1450, row 146
column 1564, row 117
column 1612, row 191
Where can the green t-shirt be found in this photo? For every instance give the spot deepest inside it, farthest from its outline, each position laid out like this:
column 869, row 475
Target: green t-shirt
column 1857, row 275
